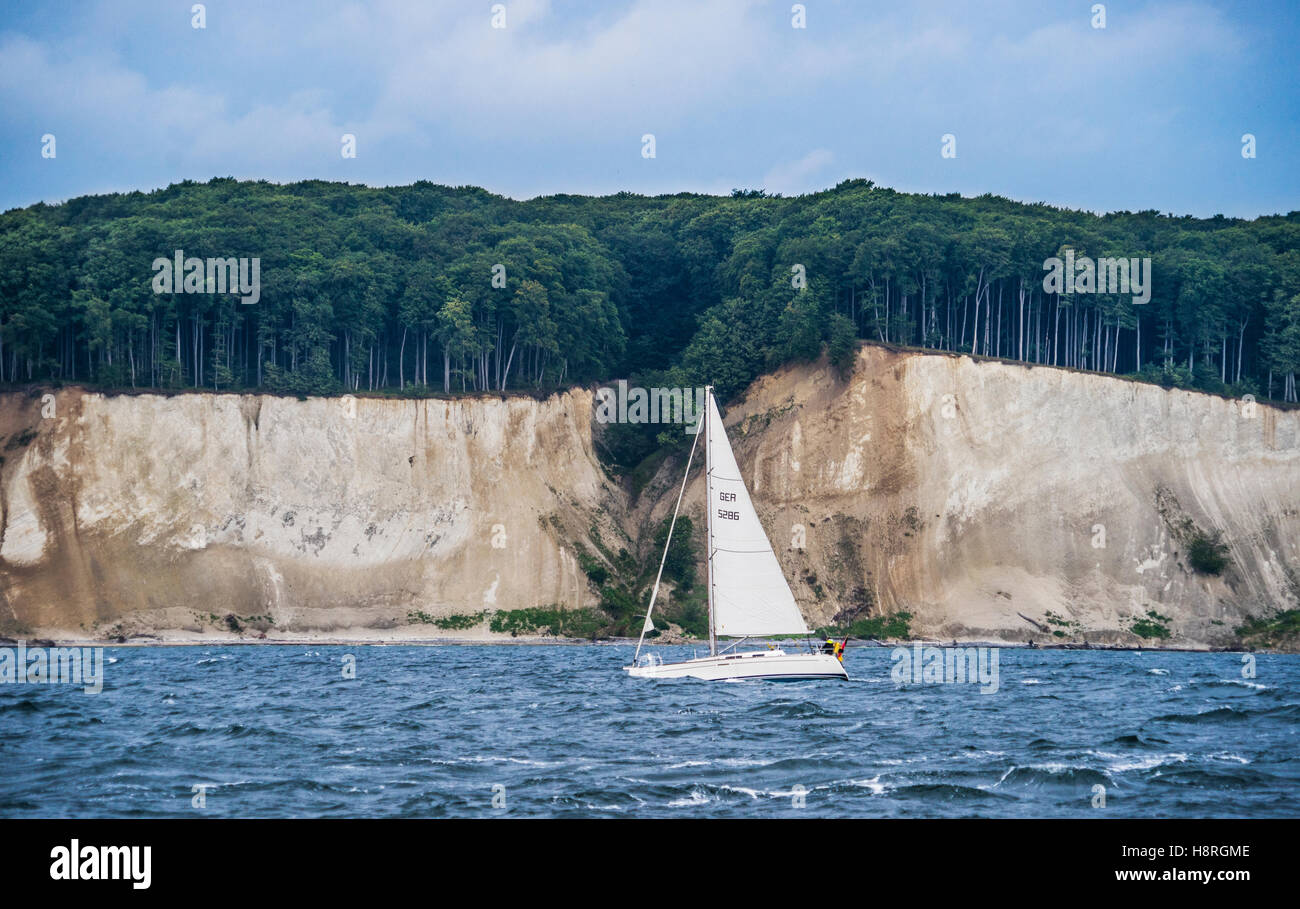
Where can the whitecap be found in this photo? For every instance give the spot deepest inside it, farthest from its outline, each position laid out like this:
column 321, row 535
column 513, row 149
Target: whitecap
column 721, row 762
column 696, row 798
column 1228, row 757
column 490, row 759
column 1122, row 764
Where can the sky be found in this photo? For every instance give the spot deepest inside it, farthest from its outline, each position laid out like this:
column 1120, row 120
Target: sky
column 1146, row 113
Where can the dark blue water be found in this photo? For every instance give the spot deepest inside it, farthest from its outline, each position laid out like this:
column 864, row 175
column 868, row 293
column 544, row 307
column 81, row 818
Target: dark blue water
column 430, row 731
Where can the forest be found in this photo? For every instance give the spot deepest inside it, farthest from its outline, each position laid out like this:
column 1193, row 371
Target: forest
column 429, row 289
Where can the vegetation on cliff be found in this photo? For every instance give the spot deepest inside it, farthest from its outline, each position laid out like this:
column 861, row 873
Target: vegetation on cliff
column 893, row 627
column 1281, row 630
column 426, row 287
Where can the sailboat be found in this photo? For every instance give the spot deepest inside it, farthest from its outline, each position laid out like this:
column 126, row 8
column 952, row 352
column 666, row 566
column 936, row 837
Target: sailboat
column 748, row 593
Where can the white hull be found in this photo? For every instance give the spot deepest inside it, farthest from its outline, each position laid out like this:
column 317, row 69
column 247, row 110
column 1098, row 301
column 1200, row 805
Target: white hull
column 776, row 665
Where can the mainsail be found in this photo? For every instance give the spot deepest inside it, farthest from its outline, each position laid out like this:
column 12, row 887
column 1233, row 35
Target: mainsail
column 750, row 593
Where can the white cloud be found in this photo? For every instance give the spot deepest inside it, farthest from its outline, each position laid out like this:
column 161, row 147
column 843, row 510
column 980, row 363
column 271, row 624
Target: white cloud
column 805, row 175
column 553, row 101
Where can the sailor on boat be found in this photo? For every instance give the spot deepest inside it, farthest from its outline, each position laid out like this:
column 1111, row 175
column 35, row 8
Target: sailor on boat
column 834, row 648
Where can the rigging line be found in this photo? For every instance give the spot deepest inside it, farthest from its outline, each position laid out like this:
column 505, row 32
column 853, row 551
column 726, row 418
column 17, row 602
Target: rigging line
column 667, row 543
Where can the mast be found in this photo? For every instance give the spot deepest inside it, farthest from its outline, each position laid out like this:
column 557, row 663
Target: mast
column 708, row 509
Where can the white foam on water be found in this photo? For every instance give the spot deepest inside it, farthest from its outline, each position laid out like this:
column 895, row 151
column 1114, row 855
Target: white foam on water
column 719, row 762
column 492, row 759
column 873, row 783
column 696, row 797
column 1228, row 757
column 1118, row 763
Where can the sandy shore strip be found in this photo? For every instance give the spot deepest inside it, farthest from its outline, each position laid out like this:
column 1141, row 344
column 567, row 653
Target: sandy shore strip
column 395, row 637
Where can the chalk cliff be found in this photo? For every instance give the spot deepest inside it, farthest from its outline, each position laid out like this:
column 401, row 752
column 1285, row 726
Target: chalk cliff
column 993, row 500
column 988, row 500
column 323, row 514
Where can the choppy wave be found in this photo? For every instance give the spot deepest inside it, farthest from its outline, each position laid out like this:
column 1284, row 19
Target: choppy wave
column 563, row 732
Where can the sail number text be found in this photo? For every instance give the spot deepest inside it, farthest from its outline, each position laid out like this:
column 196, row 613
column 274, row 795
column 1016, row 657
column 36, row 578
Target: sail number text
column 724, row 513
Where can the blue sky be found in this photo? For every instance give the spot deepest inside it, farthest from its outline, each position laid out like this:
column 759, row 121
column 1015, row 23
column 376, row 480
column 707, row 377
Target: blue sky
column 1146, row 113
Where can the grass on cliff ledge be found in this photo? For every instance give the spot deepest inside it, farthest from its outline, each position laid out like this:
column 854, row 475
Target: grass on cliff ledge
column 896, row 627
column 1277, row 630
column 1151, row 626
column 552, row 621
column 458, row 622
column 549, row 620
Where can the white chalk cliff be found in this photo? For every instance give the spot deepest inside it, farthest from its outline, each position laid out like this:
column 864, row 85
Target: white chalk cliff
column 989, row 500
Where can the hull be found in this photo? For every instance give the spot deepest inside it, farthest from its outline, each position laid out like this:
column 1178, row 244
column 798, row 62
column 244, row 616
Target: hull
column 773, row 665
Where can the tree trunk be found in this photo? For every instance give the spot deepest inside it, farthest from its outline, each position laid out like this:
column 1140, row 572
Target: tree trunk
column 1241, row 337
column 1137, row 347
column 505, row 376
column 401, row 363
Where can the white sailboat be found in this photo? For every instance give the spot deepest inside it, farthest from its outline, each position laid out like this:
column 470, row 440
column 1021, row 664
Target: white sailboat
column 748, row 593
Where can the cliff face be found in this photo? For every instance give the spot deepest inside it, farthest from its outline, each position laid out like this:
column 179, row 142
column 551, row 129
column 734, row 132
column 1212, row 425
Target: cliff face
column 322, row 514
column 1003, row 501
column 988, row 500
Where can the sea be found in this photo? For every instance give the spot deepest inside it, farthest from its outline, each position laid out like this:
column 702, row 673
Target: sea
column 562, row 731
